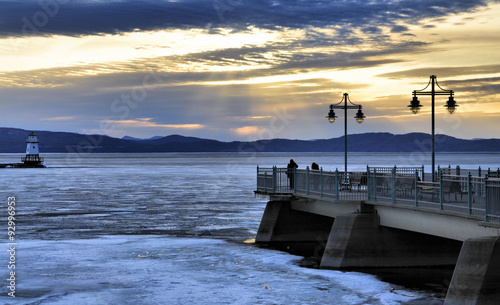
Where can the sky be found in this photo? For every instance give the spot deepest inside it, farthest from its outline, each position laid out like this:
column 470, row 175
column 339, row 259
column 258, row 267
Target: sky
column 247, row 70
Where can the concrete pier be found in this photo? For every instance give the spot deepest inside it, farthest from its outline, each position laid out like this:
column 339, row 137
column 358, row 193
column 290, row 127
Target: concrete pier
column 358, row 241
column 284, row 227
column 388, row 217
column 354, row 240
column 476, row 279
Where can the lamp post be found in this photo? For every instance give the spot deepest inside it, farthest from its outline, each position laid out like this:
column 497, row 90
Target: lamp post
column 415, row 106
column 359, row 118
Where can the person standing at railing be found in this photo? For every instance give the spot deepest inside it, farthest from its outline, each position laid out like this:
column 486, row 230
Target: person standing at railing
column 290, row 172
column 315, row 177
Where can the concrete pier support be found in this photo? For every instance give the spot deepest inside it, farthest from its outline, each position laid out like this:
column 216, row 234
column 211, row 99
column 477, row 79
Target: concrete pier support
column 476, row 280
column 357, row 241
column 283, row 226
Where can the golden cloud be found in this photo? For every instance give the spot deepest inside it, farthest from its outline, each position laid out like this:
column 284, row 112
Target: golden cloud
column 246, row 130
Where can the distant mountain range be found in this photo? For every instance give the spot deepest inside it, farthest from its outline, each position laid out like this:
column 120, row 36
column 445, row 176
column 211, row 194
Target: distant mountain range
column 12, row 140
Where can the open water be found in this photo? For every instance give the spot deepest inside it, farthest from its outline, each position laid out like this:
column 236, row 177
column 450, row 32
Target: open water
column 169, row 229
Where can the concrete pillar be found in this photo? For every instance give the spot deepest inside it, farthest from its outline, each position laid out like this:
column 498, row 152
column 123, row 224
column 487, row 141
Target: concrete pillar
column 476, row 279
column 357, row 241
column 268, row 222
column 287, row 228
column 351, row 241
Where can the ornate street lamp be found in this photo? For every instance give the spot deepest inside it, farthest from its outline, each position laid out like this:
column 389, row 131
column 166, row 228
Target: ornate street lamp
column 331, row 115
column 451, row 105
column 360, row 117
column 415, row 106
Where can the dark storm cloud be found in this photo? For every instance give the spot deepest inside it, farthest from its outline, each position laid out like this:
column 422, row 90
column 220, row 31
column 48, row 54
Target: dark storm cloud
column 96, row 17
column 479, row 85
column 483, row 85
column 443, row 71
column 399, row 29
column 372, row 30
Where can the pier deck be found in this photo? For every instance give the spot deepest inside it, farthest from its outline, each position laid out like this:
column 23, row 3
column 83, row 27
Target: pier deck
column 467, row 195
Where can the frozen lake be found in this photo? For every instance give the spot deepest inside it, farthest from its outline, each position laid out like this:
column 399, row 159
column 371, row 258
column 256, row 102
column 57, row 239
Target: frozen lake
column 169, row 229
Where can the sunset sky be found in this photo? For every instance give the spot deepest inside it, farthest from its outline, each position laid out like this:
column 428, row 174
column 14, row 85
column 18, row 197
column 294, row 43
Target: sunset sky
column 247, row 70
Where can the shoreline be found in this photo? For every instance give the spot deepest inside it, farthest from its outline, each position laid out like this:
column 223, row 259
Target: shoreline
column 21, row 165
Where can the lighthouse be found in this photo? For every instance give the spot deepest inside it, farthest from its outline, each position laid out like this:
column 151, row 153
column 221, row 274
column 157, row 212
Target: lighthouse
column 32, row 158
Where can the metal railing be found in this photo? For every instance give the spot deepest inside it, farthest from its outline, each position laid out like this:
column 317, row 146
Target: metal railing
column 32, row 158
column 398, row 170
column 492, row 199
column 466, row 195
column 331, row 184
column 475, row 172
column 460, row 194
column 392, row 183
column 274, row 180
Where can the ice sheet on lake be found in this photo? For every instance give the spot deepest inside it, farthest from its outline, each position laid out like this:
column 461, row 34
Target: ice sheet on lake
column 86, row 224
column 169, row 270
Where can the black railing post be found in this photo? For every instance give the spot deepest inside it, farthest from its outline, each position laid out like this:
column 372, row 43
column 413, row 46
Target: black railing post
column 274, row 179
column 257, row 177
column 486, row 203
column 337, row 184
column 441, row 193
column 393, row 174
column 307, row 180
column 368, row 182
column 321, row 182
column 416, row 188
column 469, row 193
column 265, row 182
column 294, row 179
